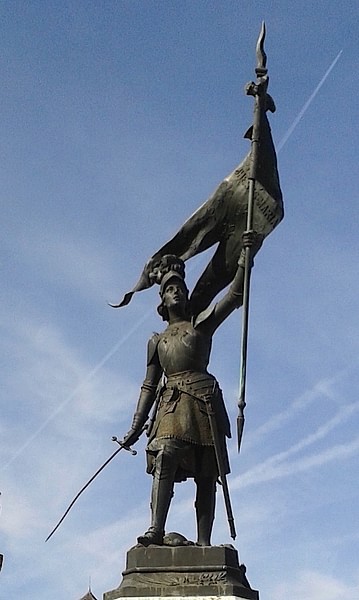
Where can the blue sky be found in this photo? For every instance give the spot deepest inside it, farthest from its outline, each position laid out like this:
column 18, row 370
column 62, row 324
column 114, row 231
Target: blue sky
column 118, row 119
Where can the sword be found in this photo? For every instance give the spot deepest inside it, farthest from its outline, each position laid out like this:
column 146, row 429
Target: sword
column 123, row 446
column 222, row 475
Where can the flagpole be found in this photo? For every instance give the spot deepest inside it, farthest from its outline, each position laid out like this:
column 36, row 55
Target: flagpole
column 258, row 90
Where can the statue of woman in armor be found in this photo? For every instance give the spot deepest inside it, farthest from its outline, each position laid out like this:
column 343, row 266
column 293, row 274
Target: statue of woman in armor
column 181, row 443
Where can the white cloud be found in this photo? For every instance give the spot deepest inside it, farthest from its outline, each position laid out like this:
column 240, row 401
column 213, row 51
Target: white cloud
column 64, row 260
column 269, row 470
column 324, row 388
column 53, row 379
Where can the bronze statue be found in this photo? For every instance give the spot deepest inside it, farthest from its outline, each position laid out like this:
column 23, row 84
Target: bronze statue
column 182, row 439
column 188, row 430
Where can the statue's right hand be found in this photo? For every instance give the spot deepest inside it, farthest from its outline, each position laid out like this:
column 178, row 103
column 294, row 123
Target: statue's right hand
column 131, row 436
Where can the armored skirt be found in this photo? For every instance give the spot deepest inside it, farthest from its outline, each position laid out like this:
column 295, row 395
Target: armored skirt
column 184, row 426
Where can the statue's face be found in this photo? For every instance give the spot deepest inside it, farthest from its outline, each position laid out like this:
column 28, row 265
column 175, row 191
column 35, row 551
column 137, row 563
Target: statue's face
column 175, row 295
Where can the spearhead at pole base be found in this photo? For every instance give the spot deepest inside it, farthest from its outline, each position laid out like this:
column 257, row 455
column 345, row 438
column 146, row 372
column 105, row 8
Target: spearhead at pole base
column 240, row 427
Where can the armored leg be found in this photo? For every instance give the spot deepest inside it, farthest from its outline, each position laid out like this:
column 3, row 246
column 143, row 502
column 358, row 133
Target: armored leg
column 162, row 492
column 205, row 506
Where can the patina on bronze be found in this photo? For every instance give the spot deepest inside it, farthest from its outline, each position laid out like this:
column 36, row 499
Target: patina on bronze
column 249, row 198
column 189, row 424
column 187, row 438
column 183, row 432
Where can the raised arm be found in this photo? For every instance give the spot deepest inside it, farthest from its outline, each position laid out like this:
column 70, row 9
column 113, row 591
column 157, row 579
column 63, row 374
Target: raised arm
column 234, row 297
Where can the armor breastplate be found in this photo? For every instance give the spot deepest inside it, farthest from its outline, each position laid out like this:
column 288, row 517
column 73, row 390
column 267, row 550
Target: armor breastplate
column 182, row 347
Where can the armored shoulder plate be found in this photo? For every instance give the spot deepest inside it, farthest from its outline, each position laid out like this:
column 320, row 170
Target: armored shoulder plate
column 152, row 347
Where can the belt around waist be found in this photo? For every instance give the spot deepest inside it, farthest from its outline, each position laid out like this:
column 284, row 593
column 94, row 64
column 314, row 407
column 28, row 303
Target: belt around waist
column 192, row 381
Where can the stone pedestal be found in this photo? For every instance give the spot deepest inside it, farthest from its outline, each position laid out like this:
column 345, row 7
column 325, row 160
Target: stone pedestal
column 186, row 572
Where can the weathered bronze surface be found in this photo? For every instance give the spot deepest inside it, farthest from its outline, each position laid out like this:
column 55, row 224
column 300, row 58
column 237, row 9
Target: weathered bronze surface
column 221, row 220
column 190, row 424
column 188, row 427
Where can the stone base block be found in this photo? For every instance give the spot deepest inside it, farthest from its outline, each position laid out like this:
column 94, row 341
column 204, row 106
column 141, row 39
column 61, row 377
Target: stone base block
column 186, row 572
column 190, row 597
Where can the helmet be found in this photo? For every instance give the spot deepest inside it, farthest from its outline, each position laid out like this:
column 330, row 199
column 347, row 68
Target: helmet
column 167, row 277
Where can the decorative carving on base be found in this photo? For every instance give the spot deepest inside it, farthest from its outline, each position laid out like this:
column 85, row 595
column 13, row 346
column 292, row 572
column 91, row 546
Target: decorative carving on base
column 160, row 571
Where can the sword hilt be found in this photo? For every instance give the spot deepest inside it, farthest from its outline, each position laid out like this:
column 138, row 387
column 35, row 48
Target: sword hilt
column 120, row 443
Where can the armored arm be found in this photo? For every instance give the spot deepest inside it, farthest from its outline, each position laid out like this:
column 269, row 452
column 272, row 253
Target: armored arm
column 234, row 297
column 146, row 399
column 147, row 394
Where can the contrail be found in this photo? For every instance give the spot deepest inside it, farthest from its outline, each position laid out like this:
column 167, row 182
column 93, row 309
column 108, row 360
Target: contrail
column 88, row 377
column 267, row 472
column 322, row 389
column 306, row 105
column 93, row 372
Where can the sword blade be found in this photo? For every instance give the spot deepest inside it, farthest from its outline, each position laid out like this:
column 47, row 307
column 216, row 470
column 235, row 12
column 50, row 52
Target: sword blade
column 82, row 490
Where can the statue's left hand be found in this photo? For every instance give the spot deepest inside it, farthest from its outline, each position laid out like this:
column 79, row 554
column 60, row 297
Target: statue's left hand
column 252, row 239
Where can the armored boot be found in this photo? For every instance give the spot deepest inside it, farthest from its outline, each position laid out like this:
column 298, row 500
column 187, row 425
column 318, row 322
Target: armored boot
column 205, row 506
